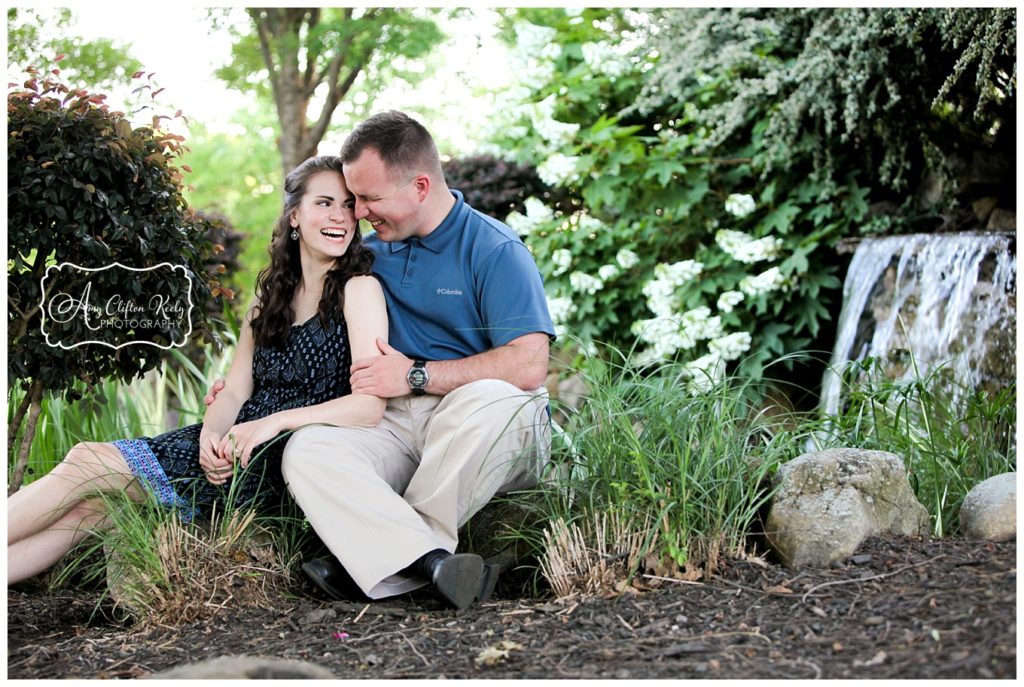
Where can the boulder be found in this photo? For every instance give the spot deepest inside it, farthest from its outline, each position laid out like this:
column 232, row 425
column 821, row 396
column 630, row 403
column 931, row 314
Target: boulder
column 983, row 208
column 246, row 668
column 828, row 502
column 989, row 510
column 1002, row 219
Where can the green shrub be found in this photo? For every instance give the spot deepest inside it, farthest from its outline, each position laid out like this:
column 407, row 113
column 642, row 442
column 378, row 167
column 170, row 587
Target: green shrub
column 87, row 187
column 748, row 141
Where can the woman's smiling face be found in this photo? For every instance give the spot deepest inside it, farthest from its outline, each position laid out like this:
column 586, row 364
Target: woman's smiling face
column 326, row 216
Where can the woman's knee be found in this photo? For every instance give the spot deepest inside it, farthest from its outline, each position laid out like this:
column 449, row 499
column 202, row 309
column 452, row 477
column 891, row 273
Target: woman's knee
column 94, row 460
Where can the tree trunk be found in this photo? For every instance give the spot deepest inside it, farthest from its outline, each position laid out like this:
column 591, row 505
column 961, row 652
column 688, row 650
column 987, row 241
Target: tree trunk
column 35, row 394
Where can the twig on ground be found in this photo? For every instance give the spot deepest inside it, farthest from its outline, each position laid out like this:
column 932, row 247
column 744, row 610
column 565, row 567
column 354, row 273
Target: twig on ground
column 415, row 651
column 865, row 579
column 672, row 579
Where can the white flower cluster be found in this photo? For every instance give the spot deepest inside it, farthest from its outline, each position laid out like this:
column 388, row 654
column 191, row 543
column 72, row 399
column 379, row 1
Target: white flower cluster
column 534, row 53
column 627, row 258
column 671, row 331
column 519, row 223
column 740, row 204
column 604, row 59
column 742, row 247
column 661, row 291
column 561, row 309
column 562, row 258
column 608, row 272
column 558, row 170
column 667, row 334
column 769, row 280
column 585, row 283
column 536, row 213
column 729, row 300
column 731, row 346
column 590, row 224
column 707, row 370
column 555, row 133
column 704, row 372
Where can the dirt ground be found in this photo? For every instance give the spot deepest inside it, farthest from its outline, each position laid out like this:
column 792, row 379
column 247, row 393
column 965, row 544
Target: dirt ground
column 900, row 608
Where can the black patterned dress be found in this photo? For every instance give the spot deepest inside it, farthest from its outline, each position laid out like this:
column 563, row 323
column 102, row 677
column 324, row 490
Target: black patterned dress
column 312, row 368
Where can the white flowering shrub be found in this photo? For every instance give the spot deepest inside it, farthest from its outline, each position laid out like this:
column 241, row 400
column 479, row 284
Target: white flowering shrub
column 698, row 225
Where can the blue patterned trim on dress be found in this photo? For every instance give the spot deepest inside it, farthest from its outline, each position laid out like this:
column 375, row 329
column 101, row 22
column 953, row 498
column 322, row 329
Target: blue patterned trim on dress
column 144, row 465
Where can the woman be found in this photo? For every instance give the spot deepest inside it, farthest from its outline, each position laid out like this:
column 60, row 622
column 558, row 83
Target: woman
column 316, row 308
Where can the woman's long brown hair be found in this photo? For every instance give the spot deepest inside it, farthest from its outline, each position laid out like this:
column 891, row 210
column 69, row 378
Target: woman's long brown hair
column 277, row 282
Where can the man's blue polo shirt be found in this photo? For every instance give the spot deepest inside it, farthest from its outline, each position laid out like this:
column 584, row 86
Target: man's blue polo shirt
column 467, row 287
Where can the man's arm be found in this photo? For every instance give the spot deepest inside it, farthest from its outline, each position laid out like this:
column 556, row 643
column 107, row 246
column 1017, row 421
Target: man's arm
column 522, row 362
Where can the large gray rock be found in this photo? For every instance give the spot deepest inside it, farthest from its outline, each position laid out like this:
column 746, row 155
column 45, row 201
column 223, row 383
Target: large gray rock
column 828, row 502
column 989, row 510
column 246, row 668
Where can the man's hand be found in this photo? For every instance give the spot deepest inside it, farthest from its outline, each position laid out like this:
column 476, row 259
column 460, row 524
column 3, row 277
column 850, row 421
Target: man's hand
column 382, row 375
column 217, row 387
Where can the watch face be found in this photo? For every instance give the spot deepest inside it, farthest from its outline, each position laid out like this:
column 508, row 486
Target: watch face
column 417, row 377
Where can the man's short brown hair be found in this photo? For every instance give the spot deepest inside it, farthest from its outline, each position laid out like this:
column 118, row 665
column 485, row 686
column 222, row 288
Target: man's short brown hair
column 405, row 145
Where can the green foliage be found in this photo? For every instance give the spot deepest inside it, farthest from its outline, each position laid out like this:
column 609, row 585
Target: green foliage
column 648, row 185
column 172, row 394
column 729, row 151
column 691, row 472
column 235, row 174
column 951, row 438
column 88, row 188
column 881, row 85
column 386, row 37
column 290, row 54
column 35, row 38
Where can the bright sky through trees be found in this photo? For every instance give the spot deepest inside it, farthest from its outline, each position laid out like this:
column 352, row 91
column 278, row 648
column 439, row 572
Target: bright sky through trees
column 184, row 54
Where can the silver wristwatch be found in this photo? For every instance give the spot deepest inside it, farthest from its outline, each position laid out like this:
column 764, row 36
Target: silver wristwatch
column 417, row 377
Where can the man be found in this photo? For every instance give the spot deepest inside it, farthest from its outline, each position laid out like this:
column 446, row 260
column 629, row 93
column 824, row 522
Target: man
column 463, row 375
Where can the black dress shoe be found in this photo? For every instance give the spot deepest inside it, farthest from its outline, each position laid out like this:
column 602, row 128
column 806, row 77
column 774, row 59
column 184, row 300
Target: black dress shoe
column 490, row 579
column 458, row 578
column 328, row 574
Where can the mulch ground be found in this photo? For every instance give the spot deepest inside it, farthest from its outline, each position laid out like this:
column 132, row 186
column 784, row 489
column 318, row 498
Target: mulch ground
column 900, row 608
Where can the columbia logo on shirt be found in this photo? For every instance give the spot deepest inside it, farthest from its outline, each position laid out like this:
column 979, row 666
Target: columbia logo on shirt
column 449, row 292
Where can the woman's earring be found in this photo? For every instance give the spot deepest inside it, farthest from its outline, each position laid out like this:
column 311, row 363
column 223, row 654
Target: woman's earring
column 295, row 234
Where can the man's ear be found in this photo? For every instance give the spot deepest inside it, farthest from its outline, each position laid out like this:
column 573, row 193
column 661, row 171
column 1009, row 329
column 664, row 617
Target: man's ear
column 422, row 183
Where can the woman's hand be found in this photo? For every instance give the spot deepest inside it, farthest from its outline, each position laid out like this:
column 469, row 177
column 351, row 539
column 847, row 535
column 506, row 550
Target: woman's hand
column 217, row 468
column 242, row 439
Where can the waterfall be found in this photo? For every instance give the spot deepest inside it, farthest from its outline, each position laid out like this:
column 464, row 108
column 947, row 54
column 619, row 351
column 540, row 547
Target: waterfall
column 941, row 298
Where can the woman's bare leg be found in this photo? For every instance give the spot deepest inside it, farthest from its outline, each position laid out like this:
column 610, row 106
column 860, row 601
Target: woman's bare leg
column 38, row 552
column 87, row 469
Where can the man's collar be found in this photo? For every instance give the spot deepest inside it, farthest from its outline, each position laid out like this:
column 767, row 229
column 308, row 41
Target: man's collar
column 436, row 240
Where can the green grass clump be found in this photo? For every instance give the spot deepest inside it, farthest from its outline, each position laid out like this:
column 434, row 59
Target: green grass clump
column 159, row 569
column 658, row 476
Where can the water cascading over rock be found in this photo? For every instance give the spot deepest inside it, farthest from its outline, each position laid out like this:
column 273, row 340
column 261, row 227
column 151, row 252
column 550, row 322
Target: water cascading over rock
column 929, row 300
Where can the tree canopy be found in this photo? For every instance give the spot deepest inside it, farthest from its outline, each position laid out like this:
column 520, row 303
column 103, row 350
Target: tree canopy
column 101, row 63
column 307, row 60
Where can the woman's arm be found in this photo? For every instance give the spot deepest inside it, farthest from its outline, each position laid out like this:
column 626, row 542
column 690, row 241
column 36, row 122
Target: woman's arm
column 366, row 316
column 220, row 415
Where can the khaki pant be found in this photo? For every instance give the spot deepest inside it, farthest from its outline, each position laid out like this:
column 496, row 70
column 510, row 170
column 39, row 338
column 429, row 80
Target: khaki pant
column 380, row 498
